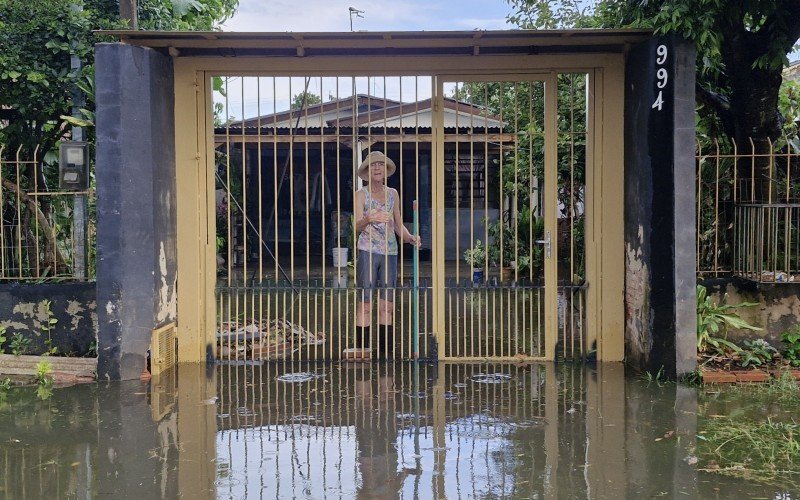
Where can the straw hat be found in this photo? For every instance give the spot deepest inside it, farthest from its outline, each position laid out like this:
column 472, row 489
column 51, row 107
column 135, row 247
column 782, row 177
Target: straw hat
column 373, row 157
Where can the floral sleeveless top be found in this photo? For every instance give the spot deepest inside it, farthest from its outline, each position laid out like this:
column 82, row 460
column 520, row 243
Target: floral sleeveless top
column 378, row 237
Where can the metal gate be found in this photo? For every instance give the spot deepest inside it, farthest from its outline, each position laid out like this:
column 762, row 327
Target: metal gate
column 497, row 165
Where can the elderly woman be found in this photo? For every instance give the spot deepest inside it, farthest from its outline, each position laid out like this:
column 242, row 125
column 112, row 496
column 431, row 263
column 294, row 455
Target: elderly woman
column 378, row 219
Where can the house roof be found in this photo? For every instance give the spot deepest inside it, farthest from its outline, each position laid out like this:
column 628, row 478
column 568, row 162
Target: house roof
column 371, row 111
column 382, row 43
column 343, row 104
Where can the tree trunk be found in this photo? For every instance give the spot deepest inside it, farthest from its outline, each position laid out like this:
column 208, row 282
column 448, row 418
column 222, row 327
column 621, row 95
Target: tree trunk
column 756, row 122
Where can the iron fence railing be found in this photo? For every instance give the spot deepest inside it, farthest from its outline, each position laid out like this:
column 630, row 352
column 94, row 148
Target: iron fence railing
column 37, row 221
column 748, row 206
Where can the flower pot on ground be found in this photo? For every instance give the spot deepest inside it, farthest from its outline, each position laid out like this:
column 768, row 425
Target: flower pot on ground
column 475, row 256
column 340, row 256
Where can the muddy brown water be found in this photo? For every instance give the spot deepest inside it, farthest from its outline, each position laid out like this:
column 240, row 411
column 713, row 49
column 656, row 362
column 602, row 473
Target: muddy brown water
column 362, row 430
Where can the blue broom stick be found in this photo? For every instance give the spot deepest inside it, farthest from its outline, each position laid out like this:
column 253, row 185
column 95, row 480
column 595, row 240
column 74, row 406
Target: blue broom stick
column 415, row 287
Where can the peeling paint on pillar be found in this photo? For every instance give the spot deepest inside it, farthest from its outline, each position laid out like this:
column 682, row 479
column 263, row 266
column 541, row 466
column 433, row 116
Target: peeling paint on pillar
column 638, row 321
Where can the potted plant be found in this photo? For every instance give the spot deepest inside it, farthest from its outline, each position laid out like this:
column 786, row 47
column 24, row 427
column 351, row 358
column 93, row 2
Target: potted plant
column 475, row 256
column 502, row 233
column 519, row 258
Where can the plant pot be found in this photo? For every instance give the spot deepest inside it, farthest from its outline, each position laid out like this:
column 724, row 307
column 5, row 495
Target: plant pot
column 340, row 256
column 506, row 273
column 477, row 275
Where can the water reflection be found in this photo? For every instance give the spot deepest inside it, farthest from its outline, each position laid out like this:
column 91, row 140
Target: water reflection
column 360, row 430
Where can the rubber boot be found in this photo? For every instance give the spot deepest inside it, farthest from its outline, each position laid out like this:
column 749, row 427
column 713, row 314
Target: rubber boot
column 362, row 337
column 385, row 342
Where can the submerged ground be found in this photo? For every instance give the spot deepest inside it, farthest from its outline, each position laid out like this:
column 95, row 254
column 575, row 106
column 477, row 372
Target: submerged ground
column 381, row 431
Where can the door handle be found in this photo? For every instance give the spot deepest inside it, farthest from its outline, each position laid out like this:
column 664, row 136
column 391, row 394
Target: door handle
column 546, row 243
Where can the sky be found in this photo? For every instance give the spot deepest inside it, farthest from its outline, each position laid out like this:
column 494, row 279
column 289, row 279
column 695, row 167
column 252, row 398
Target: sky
column 379, row 15
column 334, row 15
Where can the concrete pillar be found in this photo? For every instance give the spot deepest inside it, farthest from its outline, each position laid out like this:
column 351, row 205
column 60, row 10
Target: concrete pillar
column 136, row 217
column 660, row 206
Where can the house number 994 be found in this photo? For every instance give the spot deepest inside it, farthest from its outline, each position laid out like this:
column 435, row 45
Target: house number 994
column 662, row 77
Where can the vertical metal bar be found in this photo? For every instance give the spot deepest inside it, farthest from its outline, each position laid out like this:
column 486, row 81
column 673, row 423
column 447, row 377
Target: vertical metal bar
column 698, row 209
column 19, row 215
column 516, row 186
column 457, row 174
column 260, row 207
column 438, row 247
column 339, row 218
column 549, row 208
column 275, row 249
column 3, row 271
column 501, row 194
column 571, row 190
column 307, row 289
column 244, row 192
column 36, row 269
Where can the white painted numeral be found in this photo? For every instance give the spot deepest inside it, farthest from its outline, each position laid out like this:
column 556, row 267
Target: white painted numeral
column 659, row 101
column 662, row 78
column 661, row 51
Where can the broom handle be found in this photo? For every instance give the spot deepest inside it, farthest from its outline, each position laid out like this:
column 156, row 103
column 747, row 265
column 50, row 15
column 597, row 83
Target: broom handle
column 415, row 286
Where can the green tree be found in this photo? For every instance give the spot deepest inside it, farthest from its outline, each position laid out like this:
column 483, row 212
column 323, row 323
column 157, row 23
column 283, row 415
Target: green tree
column 305, row 99
column 742, row 48
column 38, row 39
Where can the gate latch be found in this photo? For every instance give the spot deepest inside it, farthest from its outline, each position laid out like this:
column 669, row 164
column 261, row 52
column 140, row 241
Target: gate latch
column 546, row 243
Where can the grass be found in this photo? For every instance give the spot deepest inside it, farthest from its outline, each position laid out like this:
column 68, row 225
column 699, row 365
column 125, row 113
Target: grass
column 756, row 435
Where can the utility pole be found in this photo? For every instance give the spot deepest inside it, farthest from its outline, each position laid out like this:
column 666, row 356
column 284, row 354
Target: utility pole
column 80, row 210
column 357, row 13
column 128, row 11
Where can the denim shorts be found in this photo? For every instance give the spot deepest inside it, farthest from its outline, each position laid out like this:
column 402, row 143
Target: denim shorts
column 376, row 271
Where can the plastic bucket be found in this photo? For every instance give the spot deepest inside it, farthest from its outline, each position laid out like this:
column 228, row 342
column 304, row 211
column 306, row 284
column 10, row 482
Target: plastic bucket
column 340, row 256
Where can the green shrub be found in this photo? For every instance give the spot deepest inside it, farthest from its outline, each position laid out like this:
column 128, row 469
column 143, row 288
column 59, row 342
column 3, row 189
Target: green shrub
column 714, row 320
column 791, row 342
column 19, row 344
column 756, row 352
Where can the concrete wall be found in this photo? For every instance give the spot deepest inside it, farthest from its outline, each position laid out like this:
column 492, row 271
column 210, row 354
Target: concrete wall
column 136, row 204
column 23, row 309
column 778, row 307
column 659, row 207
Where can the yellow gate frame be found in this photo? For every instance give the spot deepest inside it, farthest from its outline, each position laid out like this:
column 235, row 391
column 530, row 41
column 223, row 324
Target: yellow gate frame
column 599, row 53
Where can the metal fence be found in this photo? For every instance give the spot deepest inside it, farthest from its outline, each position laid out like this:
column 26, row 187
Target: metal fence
column 470, row 152
column 748, row 211
column 38, row 237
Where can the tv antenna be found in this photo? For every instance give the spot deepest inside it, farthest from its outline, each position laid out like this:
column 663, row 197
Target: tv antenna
column 357, row 13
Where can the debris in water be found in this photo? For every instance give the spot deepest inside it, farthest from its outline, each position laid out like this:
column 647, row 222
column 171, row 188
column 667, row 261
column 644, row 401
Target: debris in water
column 299, row 378
column 491, row 378
column 305, row 419
column 273, row 339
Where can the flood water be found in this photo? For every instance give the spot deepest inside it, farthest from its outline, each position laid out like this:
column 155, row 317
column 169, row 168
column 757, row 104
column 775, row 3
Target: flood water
column 365, row 431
